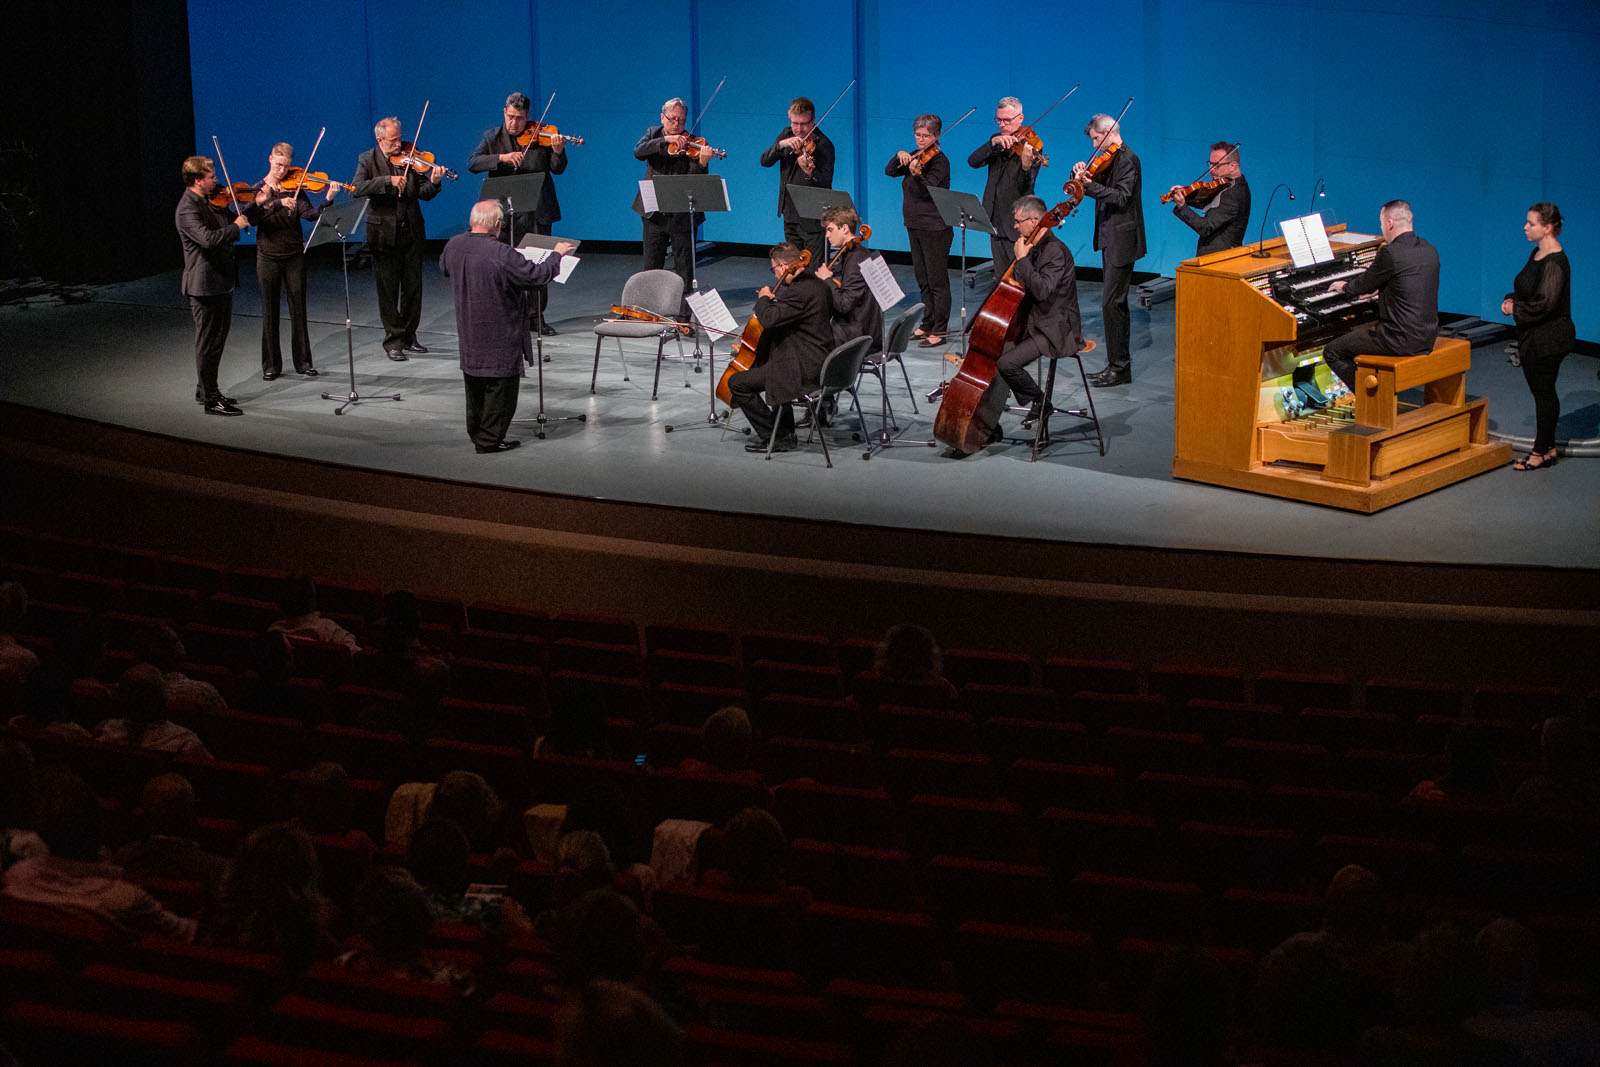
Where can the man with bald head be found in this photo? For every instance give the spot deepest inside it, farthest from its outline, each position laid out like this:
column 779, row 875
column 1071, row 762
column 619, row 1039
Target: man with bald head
column 169, row 848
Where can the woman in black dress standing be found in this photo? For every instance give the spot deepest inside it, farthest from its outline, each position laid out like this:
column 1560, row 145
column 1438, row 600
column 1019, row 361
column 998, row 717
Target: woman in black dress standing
column 1540, row 302
column 929, row 236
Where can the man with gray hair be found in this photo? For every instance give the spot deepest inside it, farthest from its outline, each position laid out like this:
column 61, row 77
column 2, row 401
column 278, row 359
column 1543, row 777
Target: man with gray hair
column 486, row 278
column 1405, row 275
column 1118, row 236
column 395, row 235
column 666, row 149
column 1013, row 165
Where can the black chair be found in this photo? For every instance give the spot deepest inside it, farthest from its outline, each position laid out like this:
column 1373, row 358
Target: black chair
column 1043, row 437
column 877, row 365
column 840, row 372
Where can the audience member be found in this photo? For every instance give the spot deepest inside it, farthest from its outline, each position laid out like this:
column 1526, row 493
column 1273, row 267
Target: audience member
column 583, row 863
column 753, row 847
column 1434, row 995
column 1567, row 782
column 170, row 847
column 159, row 645
column 74, row 878
column 608, row 1024
column 270, row 899
column 1470, row 775
column 1307, row 1000
column 909, row 655
column 1508, row 970
column 303, row 622
column 324, row 805
column 17, row 661
column 19, row 805
column 143, row 694
column 391, row 916
column 600, row 935
column 437, row 858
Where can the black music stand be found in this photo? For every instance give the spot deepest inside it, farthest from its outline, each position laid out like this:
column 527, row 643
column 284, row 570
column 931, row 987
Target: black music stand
column 677, row 194
column 810, row 202
column 539, row 240
column 337, row 223
column 525, row 188
column 960, row 211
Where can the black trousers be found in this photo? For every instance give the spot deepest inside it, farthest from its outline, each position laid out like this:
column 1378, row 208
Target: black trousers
column 398, row 273
column 1003, row 250
column 1114, row 283
column 930, row 259
column 806, row 234
column 491, row 403
column 1540, row 371
column 1341, row 352
column 278, row 274
column 213, row 315
column 746, row 388
column 661, row 230
column 1012, row 368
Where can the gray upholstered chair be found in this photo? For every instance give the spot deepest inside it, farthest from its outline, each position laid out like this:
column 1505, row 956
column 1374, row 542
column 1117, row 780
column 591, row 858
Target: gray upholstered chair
column 657, row 292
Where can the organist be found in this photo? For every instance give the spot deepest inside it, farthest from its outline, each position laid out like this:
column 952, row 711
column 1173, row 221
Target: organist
column 1405, row 277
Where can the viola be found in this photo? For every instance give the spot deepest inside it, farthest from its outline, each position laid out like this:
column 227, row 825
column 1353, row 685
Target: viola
column 959, row 423
column 315, row 182
column 1098, row 165
column 1201, row 188
column 224, row 195
column 545, row 133
column 744, row 354
column 421, row 162
column 631, row 311
column 694, row 145
column 864, row 233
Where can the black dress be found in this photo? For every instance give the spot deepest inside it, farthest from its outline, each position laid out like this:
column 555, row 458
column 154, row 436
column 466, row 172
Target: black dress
column 1541, row 304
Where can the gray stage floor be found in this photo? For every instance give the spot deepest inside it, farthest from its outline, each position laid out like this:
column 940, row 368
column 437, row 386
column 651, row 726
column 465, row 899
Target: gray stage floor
column 125, row 357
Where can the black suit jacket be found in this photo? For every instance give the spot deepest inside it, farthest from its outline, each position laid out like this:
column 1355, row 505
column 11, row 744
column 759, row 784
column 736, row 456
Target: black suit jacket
column 1007, row 180
column 791, row 174
column 486, row 160
column 855, row 310
column 207, row 235
column 1227, row 215
column 1050, row 278
column 652, row 149
column 1118, row 211
column 391, row 210
column 1405, row 275
column 796, row 333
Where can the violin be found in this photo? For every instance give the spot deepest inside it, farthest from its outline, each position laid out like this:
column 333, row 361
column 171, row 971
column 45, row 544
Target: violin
column 421, row 162
column 544, row 133
column 225, row 195
column 1098, row 165
column 864, row 233
column 315, row 182
column 1202, row 188
column 1026, row 136
column 921, row 159
column 694, row 145
column 630, row 311
column 744, row 354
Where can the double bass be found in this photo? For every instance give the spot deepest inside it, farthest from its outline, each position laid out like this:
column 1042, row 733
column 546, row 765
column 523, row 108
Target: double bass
column 744, row 354
column 959, row 423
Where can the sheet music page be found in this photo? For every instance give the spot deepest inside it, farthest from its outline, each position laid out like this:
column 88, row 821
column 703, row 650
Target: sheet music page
column 1297, row 241
column 1348, row 238
column 1317, row 234
column 539, row 255
column 884, row 288
column 711, row 312
column 647, row 196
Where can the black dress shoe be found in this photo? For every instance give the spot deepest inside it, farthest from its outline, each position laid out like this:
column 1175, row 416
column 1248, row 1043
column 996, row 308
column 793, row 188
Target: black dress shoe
column 417, row 347
column 224, row 399
column 547, row 330
column 395, row 354
column 503, row 446
column 311, row 372
column 222, row 406
column 784, row 443
column 269, row 375
column 1110, row 377
column 1035, row 409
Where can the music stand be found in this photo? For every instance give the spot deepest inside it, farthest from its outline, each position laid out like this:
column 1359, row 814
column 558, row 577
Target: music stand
column 539, row 240
column 342, row 220
column 694, row 193
column 960, row 211
column 510, row 189
column 810, row 201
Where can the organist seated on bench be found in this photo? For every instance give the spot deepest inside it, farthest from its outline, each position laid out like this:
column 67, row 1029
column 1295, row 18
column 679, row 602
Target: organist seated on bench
column 1405, row 275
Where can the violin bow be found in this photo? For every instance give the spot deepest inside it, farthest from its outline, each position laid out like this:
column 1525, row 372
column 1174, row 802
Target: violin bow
column 703, row 110
column 1052, row 107
column 307, row 168
column 1116, row 124
column 416, row 137
column 218, row 146
column 1205, row 174
column 833, row 105
column 534, row 140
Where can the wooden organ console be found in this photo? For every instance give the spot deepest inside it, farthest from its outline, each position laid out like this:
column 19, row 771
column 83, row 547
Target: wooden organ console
column 1257, row 409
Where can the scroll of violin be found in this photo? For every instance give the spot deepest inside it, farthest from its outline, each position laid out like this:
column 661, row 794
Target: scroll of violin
column 692, row 146
column 1200, row 189
column 629, row 311
column 744, row 355
column 863, row 234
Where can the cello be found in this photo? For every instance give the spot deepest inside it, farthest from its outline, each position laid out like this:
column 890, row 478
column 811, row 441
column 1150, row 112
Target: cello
column 744, row 353
column 959, row 423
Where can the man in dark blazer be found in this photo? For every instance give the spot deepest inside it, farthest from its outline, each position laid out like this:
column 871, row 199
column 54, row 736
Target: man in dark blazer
column 797, row 338
column 855, row 310
column 1405, row 275
column 1049, row 319
column 1226, row 211
column 486, row 278
column 1119, row 238
column 1011, row 175
column 395, row 235
column 676, row 228
column 800, row 168
column 498, row 154
column 209, row 277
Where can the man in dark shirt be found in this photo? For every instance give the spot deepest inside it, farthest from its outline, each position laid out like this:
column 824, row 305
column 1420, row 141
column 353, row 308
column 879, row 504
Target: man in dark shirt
column 799, row 167
column 855, row 310
column 1012, row 170
column 1405, row 275
column 498, row 154
column 1227, row 210
column 676, row 228
column 395, row 235
column 796, row 336
column 209, row 277
column 1119, row 237
column 486, row 277
column 281, row 262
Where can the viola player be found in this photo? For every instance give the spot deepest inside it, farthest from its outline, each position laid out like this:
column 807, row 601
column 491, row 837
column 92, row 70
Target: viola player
column 804, row 156
column 1013, row 165
column 1221, row 215
column 1119, row 238
column 209, row 276
column 665, row 149
column 281, row 263
column 395, row 235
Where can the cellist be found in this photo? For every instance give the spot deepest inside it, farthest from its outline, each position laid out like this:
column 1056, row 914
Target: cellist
column 796, row 336
column 1050, row 323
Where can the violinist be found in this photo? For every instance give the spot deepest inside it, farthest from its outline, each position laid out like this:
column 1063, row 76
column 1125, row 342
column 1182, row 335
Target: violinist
column 209, row 276
column 855, row 310
column 928, row 235
column 1050, row 321
column 1013, row 165
column 663, row 228
column 499, row 153
column 1118, row 236
column 1226, row 210
column 395, row 235
column 796, row 337
column 281, row 264
column 806, row 158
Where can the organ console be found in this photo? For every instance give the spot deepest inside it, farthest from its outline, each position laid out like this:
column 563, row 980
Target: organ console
column 1257, row 409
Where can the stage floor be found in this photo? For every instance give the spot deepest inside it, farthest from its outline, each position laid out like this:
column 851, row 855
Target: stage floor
column 125, row 357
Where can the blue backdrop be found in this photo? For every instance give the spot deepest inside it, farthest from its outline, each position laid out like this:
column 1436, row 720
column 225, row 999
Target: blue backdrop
column 1470, row 109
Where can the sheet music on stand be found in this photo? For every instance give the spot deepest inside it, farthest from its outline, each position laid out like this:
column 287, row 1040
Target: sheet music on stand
column 711, row 312
column 535, row 250
column 1307, row 240
column 884, row 288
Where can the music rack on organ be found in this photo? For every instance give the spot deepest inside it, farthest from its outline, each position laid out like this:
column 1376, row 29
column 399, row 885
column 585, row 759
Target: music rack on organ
column 1247, row 325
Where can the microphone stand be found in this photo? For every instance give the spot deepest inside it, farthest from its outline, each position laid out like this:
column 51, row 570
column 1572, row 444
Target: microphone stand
column 1261, row 238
